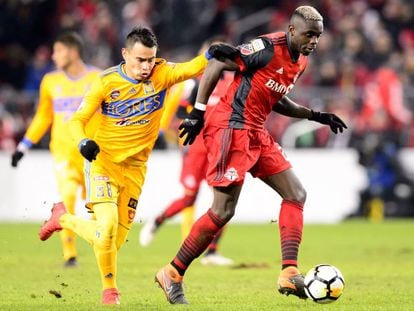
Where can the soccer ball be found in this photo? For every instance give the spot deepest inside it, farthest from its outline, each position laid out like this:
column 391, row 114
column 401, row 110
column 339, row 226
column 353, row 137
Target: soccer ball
column 324, row 283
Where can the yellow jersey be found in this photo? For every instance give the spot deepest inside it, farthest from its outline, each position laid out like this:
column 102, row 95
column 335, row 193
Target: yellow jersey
column 131, row 110
column 59, row 97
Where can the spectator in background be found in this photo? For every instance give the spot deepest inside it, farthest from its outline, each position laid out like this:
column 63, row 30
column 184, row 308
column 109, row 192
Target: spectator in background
column 39, row 66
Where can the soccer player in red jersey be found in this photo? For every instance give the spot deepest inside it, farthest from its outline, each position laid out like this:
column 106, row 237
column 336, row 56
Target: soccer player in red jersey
column 193, row 172
column 266, row 70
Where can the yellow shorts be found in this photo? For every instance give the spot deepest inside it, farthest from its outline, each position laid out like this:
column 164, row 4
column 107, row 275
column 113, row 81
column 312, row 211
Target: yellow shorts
column 69, row 174
column 118, row 183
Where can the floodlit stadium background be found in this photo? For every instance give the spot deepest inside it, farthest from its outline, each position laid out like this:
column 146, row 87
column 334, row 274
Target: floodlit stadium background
column 360, row 38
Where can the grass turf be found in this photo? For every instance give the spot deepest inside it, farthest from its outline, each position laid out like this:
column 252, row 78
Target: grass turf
column 375, row 259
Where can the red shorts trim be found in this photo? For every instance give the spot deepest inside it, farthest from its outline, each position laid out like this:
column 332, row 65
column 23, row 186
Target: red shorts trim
column 233, row 152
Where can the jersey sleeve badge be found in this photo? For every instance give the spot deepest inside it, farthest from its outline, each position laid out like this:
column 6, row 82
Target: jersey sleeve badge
column 258, row 45
column 246, row 49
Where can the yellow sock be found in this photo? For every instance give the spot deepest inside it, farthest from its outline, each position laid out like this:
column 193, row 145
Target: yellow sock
column 187, row 220
column 107, row 259
column 104, row 242
column 68, row 237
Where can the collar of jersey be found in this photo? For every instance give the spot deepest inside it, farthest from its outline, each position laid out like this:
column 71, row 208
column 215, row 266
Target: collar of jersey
column 123, row 74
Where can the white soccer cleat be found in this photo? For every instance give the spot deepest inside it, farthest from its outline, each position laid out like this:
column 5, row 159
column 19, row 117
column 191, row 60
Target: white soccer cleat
column 147, row 234
column 216, row 260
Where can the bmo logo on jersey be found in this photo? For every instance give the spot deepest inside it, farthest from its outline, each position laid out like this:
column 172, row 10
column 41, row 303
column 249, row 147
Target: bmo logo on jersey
column 278, row 87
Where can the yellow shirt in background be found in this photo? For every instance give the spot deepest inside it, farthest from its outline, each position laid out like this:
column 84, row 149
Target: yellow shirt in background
column 59, row 98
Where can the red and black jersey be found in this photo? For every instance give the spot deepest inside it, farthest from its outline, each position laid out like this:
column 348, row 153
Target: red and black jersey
column 266, row 73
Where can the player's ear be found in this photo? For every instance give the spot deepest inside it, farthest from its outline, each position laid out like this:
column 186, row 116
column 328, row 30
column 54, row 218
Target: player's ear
column 124, row 52
column 291, row 29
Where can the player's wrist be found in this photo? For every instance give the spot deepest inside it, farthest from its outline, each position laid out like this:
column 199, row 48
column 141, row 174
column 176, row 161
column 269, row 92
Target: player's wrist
column 315, row 115
column 200, row 106
column 208, row 55
column 24, row 145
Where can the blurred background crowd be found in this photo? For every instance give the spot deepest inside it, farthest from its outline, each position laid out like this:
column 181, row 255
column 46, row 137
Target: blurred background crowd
column 363, row 68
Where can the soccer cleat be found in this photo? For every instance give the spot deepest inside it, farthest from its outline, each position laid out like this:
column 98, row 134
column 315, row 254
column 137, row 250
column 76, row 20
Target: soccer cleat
column 291, row 282
column 71, row 263
column 110, row 296
column 52, row 224
column 172, row 285
column 147, row 234
column 215, row 259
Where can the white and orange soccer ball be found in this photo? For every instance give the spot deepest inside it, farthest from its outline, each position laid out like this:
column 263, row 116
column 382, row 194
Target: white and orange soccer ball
column 324, row 283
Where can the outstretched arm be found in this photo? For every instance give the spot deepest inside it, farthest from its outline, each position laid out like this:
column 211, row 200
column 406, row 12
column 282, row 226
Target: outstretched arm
column 211, row 76
column 289, row 108
column 192, row 125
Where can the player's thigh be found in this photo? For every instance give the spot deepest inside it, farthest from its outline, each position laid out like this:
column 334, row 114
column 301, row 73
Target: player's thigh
column 230, row 156
column 194, row 168
column 288, row 185
column 69, row 177
column 102, row 182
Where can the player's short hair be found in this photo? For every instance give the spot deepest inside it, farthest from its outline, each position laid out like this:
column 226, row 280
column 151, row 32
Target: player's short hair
column 73, row 40
column 143, row 35
column 308, row 12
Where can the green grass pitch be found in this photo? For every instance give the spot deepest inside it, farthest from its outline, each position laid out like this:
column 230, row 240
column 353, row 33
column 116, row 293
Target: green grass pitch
column 377, row 261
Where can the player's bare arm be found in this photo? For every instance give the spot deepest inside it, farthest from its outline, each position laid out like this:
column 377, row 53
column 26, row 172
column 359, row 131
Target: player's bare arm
column 211, row 76
column 289, row 108
column 192, row 125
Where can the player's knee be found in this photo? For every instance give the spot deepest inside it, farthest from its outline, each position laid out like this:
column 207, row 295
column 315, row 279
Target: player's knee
column 225, row 214
column 189, row 199
column 299, row 195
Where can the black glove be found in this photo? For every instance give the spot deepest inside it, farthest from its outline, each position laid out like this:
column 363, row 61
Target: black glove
column 192, row 126
column 89, row 149
column 181, row 112
column 16, row 157
column 161, row 143
column 221, row 51
column 336, row 124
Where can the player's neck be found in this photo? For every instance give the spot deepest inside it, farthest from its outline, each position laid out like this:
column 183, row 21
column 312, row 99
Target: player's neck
column 294, row 55
column 76, row 69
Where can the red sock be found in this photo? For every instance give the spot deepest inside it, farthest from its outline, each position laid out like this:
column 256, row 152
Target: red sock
column 176, row 207
column 212, row 247
column 201, row 235
column 290, row 227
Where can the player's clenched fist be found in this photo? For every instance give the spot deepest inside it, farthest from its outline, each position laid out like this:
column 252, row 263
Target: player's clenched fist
column 192, row 126
column 16, row 157
column 89, row 149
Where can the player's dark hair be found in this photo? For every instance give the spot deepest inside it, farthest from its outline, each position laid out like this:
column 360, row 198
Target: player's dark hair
column 73, row 40
column 143, row 35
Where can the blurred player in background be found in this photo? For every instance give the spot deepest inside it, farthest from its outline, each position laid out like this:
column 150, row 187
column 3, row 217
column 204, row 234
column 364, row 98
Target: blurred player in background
column 193, row 171
column 60, row 95
column 266, row 70
column 132, row 99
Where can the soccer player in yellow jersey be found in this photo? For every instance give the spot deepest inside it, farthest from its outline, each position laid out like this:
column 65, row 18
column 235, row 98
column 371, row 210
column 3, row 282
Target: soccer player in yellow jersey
column 131, row 96
column 61, row 92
